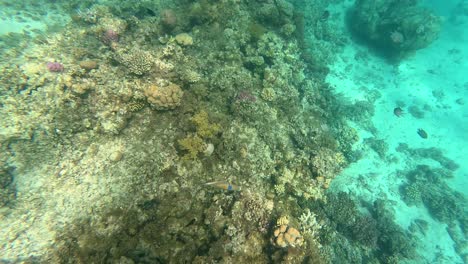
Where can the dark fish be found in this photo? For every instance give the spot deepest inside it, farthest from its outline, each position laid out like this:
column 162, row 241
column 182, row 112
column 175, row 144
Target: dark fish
column 325, row 15
column 422, row 133
column 398, row 111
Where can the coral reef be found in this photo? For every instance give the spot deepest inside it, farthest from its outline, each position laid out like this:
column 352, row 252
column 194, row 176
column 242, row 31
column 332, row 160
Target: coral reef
column 396, row 28
column 55, row 66
column 426, row 185
column 373, row 229
column 194, row 145
column 328, row 163
column 248, row 106
column 204, row 127
column 429, row 153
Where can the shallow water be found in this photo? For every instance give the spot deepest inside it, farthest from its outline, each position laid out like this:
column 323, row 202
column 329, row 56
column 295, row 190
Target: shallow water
column 117, row 118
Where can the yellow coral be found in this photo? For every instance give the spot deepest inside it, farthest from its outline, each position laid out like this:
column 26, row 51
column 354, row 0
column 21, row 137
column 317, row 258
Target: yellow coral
column 268, row 94
column 205, row 129
column 279, row 188
column 193, row 144
column 135, row 106
column 283, row 220
column 184, row 39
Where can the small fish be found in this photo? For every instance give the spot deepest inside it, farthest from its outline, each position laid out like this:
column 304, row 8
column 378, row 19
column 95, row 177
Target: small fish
column 224, row 185
column 398, row 111
column 422, row 133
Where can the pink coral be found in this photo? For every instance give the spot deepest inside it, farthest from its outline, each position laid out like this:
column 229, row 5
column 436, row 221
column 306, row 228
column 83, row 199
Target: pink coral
column 110, row 36
column 245, row 96
column 55, row 66
column 168, row 19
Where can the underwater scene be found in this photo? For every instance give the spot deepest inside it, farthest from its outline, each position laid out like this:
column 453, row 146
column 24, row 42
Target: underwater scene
column 234, row 131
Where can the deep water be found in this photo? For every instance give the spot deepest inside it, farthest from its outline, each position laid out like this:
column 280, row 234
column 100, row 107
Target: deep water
column 263, row 131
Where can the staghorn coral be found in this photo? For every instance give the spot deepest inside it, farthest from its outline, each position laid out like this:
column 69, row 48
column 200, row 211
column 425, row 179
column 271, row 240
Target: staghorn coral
column 164, row 98
column 310, row 225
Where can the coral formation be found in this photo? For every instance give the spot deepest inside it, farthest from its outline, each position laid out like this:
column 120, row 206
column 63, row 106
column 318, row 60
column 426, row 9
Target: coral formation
column 184, row 39
column 89, row 64
column 328, row 163
column 205, row 128
column 397, row 28
column 193, row 144
column 426, row 186
column 286, row 236
column 137, row 61
column 55, row 66
column 168, row 19
column 165, row 97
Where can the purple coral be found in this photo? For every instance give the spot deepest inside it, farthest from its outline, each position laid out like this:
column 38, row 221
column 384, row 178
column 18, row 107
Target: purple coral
column 245, row 96
column 110, row 36
column 55, row 66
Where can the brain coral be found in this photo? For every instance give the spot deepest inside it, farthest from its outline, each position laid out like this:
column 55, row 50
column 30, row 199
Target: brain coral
column 164, row 98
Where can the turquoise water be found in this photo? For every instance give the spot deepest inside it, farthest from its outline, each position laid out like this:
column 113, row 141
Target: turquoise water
column 233, row 132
